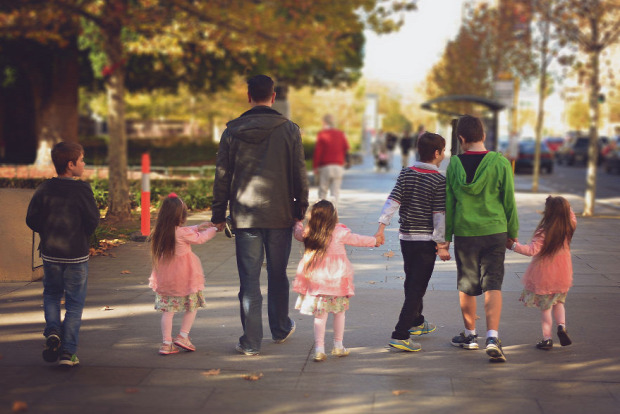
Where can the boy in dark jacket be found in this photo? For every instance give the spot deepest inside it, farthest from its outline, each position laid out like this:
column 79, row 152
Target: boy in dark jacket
column 64, row 213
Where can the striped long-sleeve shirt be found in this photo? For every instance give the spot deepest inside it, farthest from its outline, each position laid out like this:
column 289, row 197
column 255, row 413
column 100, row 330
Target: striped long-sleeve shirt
column 420, row 198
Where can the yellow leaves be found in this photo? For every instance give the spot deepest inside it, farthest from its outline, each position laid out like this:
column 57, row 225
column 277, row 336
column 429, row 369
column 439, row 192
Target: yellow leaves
column 104, row 246
column 19, row 407
column 211, row 372
column 125, row 272
column 253, row 376
column 389, row 254
column 399, row 392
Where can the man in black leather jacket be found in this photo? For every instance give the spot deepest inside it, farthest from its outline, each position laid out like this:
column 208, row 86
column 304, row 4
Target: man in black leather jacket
column 261, row 177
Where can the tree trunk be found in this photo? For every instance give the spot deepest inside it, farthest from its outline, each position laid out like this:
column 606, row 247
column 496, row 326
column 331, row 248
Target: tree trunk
column 119, row 208
column 540, row 119
column 590, row 196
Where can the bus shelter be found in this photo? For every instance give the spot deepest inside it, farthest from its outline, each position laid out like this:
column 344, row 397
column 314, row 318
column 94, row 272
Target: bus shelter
column 489, row 114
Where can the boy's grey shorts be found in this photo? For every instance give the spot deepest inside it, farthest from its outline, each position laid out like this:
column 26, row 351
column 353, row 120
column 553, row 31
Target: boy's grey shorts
column 480, row 262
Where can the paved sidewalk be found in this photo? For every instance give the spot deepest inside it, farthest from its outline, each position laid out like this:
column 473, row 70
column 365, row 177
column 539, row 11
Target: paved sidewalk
column 121, row 371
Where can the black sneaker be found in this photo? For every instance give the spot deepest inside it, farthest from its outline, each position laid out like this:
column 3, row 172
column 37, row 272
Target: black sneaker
column 545, row 344
column 466, row 342
column 69, row 360
column 52, row 348
column 563, row 335
column 494, row 349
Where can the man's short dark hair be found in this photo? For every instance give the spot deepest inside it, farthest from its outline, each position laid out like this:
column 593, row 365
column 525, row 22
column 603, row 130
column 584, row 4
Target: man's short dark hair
column 428, row 143
column 260, row 88
column 63, row 152
column 470, row 128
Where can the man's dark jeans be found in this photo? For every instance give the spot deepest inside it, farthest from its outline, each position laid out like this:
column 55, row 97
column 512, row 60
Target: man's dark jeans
column 252, row 246
column 419, row 258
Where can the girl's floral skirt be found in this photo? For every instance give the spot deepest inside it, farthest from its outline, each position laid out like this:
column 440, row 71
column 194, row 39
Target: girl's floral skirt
column 544, row 302
column 187, row 303
column 318, row 305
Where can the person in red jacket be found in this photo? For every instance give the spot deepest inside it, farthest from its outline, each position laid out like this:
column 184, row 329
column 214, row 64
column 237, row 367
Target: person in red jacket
column 330, row 158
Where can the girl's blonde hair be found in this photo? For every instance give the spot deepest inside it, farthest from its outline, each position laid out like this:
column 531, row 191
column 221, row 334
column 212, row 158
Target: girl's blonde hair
column 556, row 224
column 323, row 220
column 173, row 213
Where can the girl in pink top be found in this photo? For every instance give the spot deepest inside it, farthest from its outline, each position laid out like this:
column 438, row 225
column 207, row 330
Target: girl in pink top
column 550, row 274
column 177, row 277
column 324, row 277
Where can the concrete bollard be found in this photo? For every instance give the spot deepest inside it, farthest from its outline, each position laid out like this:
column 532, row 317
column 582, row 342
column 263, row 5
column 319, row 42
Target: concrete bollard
column 19, row 257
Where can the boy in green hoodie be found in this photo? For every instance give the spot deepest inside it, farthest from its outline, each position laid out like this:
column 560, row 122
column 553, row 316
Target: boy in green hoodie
column 481, row 213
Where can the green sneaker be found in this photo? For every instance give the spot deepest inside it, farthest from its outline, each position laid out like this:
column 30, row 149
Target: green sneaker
column 405, row 345
column 423, row 329
column 68, row 359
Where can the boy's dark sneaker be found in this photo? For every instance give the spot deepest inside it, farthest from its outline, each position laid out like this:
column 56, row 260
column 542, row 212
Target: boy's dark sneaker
column 563, row 335
column 545, row 344
column 425, row 328
column 494, row 349
column 52, row 348
column 66, row 359
column 466, row 342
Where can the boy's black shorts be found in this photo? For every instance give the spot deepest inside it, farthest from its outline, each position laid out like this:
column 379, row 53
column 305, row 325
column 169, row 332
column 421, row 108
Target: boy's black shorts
column 480, row 262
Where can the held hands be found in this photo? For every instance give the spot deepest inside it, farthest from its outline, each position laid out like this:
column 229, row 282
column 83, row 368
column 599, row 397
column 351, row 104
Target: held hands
column 510, row 242
column 380, row 235
column 219, row 226
column 442, row 251
column 205, row 225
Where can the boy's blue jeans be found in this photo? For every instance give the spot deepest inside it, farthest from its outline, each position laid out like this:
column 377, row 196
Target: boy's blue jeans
column 70, row 280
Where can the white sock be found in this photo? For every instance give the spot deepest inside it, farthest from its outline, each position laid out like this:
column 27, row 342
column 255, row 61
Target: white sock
column 320, row 349
column 468, row 332
column 184, row 334
column 493, row 333
column 168, row 342
column 338, row 344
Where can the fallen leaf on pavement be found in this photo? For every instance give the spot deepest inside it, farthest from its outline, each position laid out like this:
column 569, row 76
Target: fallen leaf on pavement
column 211, row 372
column 125, row 272
column 252, row 377
column 131, row 390
column 19, row 406
column 106, row 308
column 372, row 282
column 389, row 254
column 398, row 392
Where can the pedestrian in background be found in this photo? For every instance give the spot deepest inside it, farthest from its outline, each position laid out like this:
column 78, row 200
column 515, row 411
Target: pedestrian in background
column 261, row 176
column 177, row 277
column 64, row 213
column 406, row 145
column 324, row 277
column 330, row 159
column 481, row 213
column 414, row 143
column 550, row 274
column 419, row 196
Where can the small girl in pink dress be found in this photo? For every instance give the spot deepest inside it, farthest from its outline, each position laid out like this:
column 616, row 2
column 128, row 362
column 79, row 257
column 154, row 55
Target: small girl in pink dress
column 324, row 277
column 550, row 274
column 177, row 277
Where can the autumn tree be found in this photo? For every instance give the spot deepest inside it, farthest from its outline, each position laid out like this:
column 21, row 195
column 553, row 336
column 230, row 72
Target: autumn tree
column 593, row 26
column 486, row 46
column 258, row 34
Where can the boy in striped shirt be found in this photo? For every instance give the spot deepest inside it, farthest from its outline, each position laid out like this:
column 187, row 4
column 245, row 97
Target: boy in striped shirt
column 420, row 198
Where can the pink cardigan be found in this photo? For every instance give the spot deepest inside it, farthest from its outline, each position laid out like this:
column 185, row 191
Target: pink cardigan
column 548, row 275
column 332, row 276
column 182, row 274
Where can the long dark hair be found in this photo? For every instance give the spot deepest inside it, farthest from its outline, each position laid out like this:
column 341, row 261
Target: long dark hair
column 172, row 213
column 556, row 225
column 323, row 220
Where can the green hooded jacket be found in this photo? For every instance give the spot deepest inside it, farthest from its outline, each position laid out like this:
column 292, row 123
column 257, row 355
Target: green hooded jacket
column 487, row 204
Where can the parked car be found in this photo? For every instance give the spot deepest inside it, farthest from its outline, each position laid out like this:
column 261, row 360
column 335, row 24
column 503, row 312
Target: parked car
column 525, row 162
column 553, row 143
column 575, row 150
column 611, row 156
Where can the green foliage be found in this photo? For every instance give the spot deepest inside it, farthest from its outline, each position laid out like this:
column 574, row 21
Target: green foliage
column 168, row 152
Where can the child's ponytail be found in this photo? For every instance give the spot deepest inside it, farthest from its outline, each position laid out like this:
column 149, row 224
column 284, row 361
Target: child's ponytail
column 556, row 224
